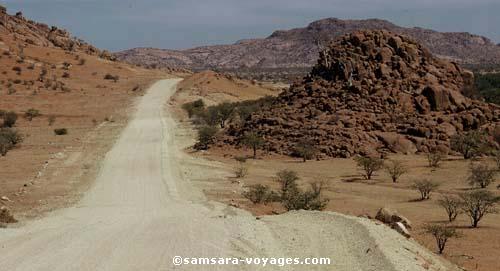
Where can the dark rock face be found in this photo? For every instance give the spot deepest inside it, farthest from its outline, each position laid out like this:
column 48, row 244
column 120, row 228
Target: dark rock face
column 372, row 91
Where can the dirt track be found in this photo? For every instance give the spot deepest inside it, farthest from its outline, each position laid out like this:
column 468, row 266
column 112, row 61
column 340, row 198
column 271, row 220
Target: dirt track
column 142, row 211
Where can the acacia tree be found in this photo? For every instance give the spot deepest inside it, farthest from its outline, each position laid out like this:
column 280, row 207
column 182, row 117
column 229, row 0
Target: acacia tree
column 481, row 175
column 396, row 169
column 369, row 165
column 441, row 233
column 477, row 204
column 305, row 149
column 425, row 187
column 451, row 205
column 468, row 144
column 254, row 141
column 224, row 111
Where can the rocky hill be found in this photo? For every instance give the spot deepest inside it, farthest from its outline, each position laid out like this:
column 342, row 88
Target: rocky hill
column 299, row 47
column 28, row 32
column 60, row 94
column 372, row 91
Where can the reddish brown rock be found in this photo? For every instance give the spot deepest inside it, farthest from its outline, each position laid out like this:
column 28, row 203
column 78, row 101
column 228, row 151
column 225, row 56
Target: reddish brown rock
column 372, row 91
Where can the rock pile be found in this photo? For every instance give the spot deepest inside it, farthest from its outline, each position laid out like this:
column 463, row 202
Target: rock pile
column 372, row 91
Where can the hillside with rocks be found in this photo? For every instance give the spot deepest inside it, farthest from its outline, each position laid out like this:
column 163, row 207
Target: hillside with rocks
column 298, row 48
column 372, row 91
column 28, row 32
column 58, row 96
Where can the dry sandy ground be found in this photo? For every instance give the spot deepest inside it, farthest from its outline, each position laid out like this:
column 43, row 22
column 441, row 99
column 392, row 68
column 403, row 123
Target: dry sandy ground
column 143, row 209
column 46, row 171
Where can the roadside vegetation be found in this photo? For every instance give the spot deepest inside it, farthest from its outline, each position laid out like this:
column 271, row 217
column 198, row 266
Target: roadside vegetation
column 289, row 195
column 488, row 87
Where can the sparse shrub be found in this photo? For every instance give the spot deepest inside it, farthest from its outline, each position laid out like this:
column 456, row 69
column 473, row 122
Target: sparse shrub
column 434, row 158
column 369, row 165
column 6, row 216
column 468, row 144
column 254, row 141
column 396, row 169
column 481, row 175
column 260, row 194
column 240, row 171
column 61, row 131
column 194, row 108
column 9, row 119
column 288, row 181
column 295, row 199
column 305, row 149
column 206, row 136
column 9, row 138
column 451, row 205
column 442, row 234
column 31, row 113
column 477, row 204
column 82, row 61
column 51, row 119
column 308, row 200
column 114, row 78
column 425, row 187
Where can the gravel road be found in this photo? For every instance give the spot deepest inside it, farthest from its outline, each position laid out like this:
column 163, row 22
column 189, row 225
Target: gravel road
column 141, row 212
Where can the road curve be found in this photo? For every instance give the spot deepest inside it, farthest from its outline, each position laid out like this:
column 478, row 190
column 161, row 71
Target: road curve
column 141, row 212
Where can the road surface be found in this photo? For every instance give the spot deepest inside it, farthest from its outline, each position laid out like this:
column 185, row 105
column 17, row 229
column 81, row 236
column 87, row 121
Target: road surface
column 141, row 212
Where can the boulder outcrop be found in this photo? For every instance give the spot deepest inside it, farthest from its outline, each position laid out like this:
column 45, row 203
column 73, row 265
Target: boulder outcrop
column 371, row 92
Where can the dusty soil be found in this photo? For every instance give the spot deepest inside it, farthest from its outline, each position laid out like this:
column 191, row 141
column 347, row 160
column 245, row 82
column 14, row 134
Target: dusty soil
column 215, row 88
column 145, row 207
column 350, row 194
column 48, row 171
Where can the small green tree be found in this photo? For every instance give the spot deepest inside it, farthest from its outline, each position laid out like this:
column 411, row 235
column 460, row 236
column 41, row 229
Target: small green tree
column 451, row 205
column 442, row 234
column 425, row 187
column 206, row 136
column 396, row 169
column 194, row 108
column 254, row 141
column 468, row 144
column 305, row 149
column 224, row 111
column 369, row 165
column 481, row 175
column 477, row 204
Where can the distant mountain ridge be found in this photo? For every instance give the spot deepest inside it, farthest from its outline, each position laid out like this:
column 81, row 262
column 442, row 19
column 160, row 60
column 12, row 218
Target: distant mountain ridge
column 299, row 47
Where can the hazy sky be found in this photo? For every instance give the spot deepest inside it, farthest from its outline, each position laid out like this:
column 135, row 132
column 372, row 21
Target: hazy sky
column 121, row 24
